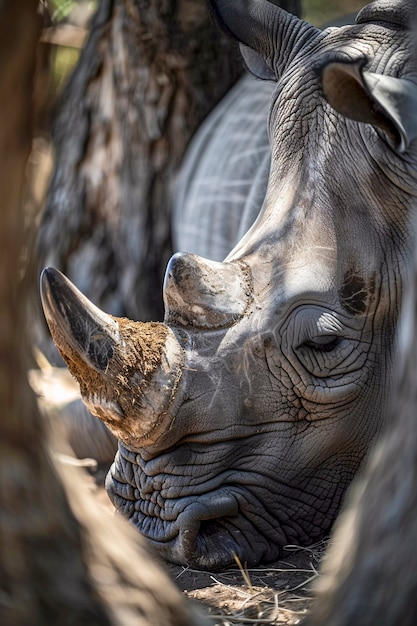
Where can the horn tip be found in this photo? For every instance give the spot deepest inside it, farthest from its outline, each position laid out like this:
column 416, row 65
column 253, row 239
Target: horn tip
column 46, row 281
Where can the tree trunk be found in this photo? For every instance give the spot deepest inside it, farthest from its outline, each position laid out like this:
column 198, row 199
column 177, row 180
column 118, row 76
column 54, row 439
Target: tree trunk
column 149, row 74
column 62, row 561
column 293, row 6
column 32, row 528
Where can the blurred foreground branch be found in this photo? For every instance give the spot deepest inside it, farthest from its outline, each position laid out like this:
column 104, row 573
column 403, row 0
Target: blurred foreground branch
column 62, row 561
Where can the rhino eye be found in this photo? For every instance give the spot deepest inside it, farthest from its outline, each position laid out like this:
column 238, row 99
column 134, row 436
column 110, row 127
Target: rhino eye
column 323, row 343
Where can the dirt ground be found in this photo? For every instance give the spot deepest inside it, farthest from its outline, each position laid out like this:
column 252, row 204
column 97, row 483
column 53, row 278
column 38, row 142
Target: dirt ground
column 279, row 593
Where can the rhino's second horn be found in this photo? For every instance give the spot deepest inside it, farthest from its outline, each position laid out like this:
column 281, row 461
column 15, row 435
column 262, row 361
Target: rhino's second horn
column 206, row 294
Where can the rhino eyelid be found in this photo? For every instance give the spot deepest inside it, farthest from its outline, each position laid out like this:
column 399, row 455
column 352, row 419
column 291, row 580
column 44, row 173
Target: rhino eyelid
column 325, row 343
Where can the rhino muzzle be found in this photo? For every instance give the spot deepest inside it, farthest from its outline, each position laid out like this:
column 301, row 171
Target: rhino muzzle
column 128, row 372
column 186, row 522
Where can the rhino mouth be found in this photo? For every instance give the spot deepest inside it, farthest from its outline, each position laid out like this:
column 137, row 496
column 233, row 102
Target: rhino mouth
column 221, row 542
column 210, row 531
column 204, row 535
column 209, row 543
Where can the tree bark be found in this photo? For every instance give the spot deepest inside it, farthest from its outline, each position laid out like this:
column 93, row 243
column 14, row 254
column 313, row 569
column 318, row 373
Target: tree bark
column 32, row 525
column 62, row 561
column 149, row 74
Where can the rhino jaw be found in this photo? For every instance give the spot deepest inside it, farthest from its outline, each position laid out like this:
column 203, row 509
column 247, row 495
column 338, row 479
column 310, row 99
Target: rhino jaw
column 128, row 372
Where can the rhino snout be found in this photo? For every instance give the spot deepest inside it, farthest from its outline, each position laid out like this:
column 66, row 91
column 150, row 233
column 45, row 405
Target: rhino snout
column 188, row 523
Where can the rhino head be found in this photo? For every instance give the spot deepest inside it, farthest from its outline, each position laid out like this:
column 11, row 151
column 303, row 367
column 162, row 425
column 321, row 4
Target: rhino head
column 244, row 416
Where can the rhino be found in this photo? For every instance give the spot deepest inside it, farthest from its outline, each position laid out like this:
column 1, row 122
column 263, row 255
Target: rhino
column 243, row 417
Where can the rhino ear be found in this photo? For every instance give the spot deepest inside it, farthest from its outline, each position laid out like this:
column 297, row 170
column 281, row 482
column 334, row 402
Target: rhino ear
column 256, row 64
column 398, row 12
column 271, row 33
column 387, row 103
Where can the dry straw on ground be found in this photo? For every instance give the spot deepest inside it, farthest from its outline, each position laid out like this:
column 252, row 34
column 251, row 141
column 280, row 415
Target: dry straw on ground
column 278, row 594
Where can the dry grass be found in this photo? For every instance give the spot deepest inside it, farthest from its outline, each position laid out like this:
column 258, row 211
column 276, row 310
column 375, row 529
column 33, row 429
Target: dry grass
column 278, row 594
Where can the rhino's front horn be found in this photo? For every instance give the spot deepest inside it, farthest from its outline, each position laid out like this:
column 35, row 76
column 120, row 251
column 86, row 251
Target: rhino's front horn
column 205, row 294
column 76, row 324
column 128, row 372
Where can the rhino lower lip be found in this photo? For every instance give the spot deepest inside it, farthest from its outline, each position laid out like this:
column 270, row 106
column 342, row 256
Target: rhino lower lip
column 215, row 545
column 204, row 535
column 204, row 538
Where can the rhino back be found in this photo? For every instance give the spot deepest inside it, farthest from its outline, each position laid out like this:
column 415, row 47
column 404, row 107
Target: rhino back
column 225, row 173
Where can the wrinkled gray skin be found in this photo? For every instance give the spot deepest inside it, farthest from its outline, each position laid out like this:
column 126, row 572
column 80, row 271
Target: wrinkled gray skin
column 286, row 350
column 368, row 577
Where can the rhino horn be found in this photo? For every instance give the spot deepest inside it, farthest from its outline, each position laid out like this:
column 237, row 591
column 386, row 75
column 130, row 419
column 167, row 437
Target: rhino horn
column 398, row 12
column 264, row 31
column 205, row 294
column 386, row 102
column 128, row 372
column 76, row 324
